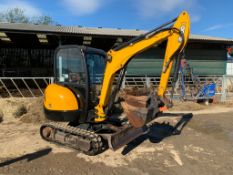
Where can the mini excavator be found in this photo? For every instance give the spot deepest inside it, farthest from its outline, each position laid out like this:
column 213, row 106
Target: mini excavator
column 82, row 101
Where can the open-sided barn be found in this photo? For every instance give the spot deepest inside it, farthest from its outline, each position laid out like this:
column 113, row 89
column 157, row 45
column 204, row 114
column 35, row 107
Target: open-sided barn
column 28, row 50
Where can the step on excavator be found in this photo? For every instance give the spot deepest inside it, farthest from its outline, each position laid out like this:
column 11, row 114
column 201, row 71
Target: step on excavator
column 89, row 110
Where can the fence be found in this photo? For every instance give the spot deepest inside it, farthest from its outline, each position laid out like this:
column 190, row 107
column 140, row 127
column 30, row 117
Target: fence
column 147, row 81
column 34, row 86
column 23, row 86
column 227, row 88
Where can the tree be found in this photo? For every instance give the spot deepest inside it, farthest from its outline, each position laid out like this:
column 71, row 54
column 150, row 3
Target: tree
column 17, row 15
column 46, row 20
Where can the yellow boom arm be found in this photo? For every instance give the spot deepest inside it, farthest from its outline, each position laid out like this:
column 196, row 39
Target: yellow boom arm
column 176, row 36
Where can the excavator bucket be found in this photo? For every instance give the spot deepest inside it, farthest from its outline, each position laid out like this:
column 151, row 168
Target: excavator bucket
column 138, row 109
column 135, row 110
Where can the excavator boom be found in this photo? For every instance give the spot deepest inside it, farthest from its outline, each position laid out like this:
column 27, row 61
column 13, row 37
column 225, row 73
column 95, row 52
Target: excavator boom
column 176, row 35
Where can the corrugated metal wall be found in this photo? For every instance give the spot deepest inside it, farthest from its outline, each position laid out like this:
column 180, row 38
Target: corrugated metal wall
column 207, row 62
column 147, row 63
column 203, row 61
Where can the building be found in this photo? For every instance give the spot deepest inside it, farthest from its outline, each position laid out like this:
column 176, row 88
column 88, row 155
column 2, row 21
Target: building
column 27, row 50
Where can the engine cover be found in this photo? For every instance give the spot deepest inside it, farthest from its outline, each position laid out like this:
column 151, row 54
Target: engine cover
column 60, row 104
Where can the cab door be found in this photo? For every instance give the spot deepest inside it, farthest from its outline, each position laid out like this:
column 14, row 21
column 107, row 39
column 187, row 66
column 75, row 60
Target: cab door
column 96, row 63
column 71, row 72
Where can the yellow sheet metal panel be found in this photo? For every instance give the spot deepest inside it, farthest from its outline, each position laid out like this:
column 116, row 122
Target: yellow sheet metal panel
column 175, row 43
column 59, row 98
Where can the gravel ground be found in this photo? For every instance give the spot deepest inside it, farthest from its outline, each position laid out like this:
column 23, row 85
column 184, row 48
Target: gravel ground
column 204, row 146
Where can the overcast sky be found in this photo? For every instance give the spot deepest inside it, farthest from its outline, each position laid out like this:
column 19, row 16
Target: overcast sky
column 208, row 17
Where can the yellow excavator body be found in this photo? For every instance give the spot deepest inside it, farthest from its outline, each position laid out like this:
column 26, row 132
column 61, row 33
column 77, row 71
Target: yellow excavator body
column 87, row 86
column 59, row 98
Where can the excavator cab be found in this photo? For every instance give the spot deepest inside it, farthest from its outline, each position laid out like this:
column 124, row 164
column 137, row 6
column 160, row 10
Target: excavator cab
column 78, row 72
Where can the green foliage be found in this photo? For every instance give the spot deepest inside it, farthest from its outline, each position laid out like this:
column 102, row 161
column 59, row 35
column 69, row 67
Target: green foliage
column 17, row 15
column 46, row 20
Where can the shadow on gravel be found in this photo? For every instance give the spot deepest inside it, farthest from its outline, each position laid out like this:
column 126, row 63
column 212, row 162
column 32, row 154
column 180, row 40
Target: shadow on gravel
column 159, row 131
column 28, row 157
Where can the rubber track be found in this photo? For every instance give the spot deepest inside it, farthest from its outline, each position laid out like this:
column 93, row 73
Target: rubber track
column 96, row 141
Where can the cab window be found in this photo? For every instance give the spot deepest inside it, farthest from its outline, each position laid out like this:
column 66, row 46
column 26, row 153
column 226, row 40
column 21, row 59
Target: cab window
column 96, row 66
column 70, row 66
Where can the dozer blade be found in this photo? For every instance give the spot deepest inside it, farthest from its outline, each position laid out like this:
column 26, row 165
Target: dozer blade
column 138, row 112
column 124, row 136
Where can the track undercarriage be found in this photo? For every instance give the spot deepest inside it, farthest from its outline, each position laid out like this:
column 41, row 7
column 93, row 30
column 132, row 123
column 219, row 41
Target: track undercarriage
column 87, row 141
column 92, row 138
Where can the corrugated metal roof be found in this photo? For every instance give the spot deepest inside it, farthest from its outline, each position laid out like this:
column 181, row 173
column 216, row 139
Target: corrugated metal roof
column 69, row 29
column 209, row 38
column 92, row 31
